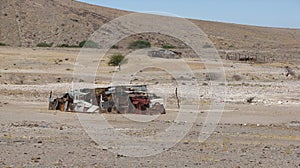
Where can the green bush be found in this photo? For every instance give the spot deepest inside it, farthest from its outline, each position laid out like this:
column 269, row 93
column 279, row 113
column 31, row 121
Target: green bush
column 3, row 44
column 68, row 46
column 115, row 47
column 168, row 46
column 139, row 44
column 116, row 59
column 63, row 45
column 44, row 44
column 88, row 44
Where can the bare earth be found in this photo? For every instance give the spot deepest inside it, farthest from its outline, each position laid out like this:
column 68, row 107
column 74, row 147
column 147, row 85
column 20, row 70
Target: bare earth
column 264, row 133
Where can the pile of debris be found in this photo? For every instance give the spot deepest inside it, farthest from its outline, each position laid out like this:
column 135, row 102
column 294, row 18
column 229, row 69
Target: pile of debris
column 163, row 53
column 114, row 99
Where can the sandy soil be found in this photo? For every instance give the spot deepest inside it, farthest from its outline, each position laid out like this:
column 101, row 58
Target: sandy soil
column 264, row 133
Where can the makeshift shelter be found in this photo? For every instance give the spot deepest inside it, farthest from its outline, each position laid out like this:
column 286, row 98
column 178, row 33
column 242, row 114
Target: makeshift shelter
column 118, row 99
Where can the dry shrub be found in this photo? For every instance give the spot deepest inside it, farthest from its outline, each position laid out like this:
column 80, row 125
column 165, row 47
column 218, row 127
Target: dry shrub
column 236, row 77
column 211, row 76
column 290, row 71
column 250, row 99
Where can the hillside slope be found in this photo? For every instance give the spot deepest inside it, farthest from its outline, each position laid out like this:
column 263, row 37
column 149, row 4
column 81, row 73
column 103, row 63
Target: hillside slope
column 26, row 23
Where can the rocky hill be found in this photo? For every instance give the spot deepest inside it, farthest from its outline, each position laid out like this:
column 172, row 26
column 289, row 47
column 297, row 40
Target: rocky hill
column 26, row 23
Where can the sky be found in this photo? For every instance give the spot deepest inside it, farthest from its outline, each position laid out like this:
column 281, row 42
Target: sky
column 269, row 13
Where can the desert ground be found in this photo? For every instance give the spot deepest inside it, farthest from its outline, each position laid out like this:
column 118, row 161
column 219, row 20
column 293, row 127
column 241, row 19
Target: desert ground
column 262, row 133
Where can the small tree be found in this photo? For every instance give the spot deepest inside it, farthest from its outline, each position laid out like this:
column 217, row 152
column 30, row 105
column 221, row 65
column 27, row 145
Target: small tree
column 116, row 60
column 139, row 44
column 88, row 44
